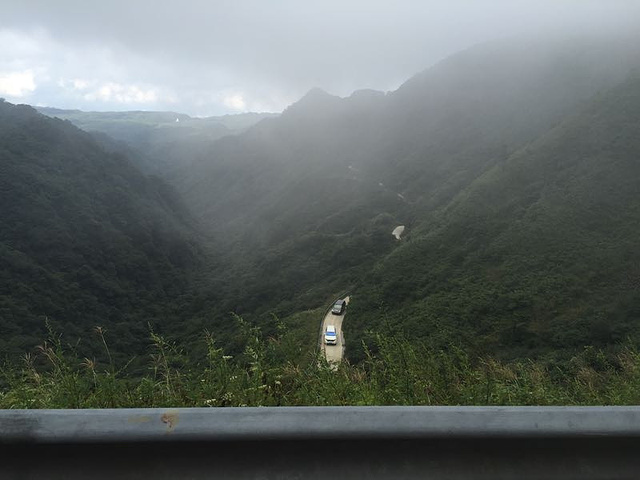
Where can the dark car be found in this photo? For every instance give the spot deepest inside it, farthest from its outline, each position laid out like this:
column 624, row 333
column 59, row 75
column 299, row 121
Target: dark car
column 338, row 307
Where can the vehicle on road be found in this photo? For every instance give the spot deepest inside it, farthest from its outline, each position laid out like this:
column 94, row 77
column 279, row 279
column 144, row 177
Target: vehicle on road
column 330, row 335
column 338, row 307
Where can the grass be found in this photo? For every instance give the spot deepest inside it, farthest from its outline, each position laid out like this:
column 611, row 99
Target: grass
column 268, row 374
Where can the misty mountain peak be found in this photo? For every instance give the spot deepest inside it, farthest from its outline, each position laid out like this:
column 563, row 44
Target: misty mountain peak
column 316, row 92
column 367, row 93
column 316, row 100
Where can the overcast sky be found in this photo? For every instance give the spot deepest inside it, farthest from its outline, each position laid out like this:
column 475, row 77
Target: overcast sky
column 215, row 57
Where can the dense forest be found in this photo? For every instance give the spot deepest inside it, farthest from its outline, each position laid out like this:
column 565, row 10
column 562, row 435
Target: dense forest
column 512, row 165
column 85, row 238
column 538, row 255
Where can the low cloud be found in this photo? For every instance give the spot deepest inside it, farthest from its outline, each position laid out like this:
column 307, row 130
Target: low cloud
column 17, row 84
column 235, row 102
column 80, row 84
column 115, row 92
column 208, row 58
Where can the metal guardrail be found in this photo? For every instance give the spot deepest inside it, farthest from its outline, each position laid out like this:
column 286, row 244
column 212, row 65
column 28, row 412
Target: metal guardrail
column 322, row 442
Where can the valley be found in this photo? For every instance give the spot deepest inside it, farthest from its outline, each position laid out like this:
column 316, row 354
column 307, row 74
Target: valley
column 488, row 205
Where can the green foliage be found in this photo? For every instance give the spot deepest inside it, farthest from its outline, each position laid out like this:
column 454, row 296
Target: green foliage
column 85, row 238
column 507, row 199
column 535, row 258
column 520, row 202
column 400, row 373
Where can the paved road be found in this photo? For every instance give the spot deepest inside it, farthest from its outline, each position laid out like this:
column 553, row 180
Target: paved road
column 333, row 353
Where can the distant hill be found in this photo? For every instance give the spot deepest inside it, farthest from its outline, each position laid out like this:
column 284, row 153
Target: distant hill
column 158, row 137
column 86, row 239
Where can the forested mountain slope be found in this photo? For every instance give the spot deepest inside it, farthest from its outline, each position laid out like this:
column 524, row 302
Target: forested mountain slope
column 539, row 255
column 310, row 198
column 85, row 238
column 445, row 123
column 511, row 165
column 450, row 122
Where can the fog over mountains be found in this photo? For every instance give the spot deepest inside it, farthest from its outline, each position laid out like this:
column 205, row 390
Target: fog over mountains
column 513, row 166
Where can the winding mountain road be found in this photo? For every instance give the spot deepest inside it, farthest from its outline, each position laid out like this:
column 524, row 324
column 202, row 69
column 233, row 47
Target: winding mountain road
column 333, row 353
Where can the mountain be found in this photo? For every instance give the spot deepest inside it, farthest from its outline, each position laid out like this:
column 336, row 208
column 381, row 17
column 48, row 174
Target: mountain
column 537, row 256
column 86, row 239
column 305, row 203
column 159, row 138
column 510, row 164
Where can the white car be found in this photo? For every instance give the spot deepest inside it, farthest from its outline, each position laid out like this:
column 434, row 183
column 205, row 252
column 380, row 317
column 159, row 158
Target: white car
column 330, row 335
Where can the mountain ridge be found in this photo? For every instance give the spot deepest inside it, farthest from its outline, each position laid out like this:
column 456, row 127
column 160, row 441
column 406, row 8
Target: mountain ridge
column 86, row 239
column 301, row 206
column 540, row 257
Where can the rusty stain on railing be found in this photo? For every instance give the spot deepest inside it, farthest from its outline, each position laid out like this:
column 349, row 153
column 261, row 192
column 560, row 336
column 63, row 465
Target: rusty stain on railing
column 171, row 418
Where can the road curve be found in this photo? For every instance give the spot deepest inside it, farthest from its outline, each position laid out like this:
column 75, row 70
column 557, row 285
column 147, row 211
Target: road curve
column 333, row 353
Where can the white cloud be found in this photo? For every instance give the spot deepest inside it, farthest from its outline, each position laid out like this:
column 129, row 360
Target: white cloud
column 191, row 59
column 17, row 84
column 235, row 101
column 118, row 93
column 20, row 46
column 80, row 84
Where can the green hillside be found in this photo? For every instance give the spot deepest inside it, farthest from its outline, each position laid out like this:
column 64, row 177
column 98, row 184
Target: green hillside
column 511, row 164
column 304, row 204
column 85, row 238
column 537, row 257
